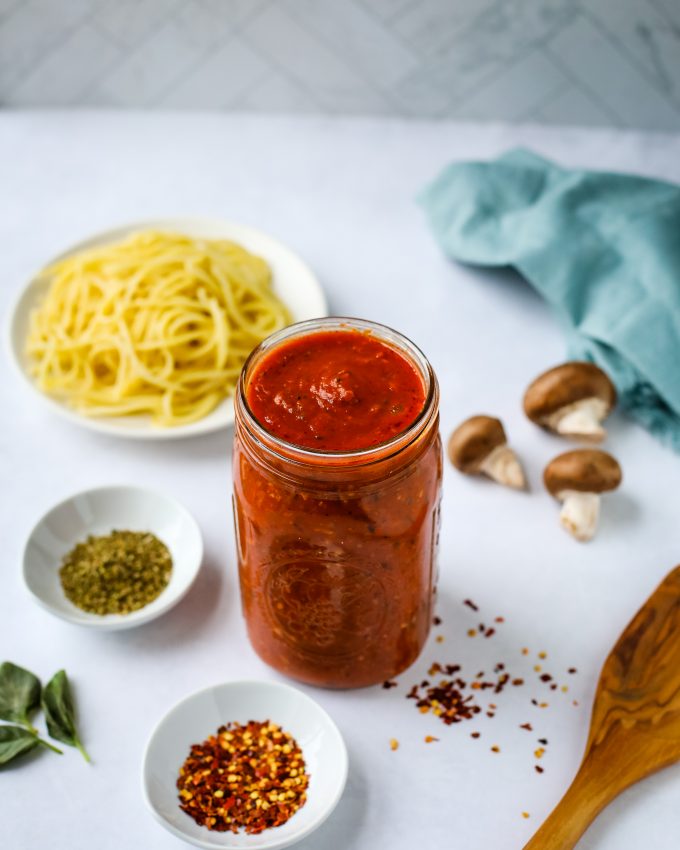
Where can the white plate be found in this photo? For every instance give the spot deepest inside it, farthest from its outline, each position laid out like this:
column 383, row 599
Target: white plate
column 293, row 282
column 200, row 715
column 100, row 512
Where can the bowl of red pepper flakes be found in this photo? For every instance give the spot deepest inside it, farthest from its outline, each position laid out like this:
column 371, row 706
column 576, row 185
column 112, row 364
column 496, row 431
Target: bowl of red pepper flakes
column 244, row 765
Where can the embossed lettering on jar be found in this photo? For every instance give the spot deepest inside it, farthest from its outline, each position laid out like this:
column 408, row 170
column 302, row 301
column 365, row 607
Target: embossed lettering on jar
column 337, row 479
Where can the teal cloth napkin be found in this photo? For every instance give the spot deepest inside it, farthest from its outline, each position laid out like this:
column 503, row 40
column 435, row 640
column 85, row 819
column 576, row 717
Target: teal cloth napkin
column 603, row 249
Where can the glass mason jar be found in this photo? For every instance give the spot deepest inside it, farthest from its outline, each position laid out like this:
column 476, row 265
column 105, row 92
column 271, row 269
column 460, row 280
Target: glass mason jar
column 337, row 550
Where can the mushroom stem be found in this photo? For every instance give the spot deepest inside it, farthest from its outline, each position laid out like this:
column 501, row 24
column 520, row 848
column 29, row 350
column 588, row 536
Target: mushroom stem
column 503, row 466
column 581, row 419
column 579, row 514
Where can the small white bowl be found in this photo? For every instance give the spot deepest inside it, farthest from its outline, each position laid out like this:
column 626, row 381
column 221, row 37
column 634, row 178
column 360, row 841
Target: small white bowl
column 201, row 714
column 99, row 512
column 293, row 281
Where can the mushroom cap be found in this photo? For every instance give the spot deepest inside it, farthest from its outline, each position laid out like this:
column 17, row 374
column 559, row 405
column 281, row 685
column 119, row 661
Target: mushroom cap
column 563, row 385
column 583, row 470
column 473, row 441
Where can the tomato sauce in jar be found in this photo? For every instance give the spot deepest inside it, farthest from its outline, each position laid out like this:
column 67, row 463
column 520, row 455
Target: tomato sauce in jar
column 337, row 478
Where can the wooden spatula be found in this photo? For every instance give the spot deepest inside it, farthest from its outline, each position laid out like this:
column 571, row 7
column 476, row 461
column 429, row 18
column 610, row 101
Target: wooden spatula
column 635, row 726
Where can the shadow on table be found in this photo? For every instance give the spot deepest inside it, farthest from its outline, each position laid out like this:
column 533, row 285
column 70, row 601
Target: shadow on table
column 187, row 619
column 345, row 821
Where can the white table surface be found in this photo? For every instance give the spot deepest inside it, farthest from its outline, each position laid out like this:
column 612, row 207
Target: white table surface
column 341, row 193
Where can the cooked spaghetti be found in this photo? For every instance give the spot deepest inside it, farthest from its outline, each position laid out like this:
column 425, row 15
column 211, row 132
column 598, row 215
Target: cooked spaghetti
column 159, row 324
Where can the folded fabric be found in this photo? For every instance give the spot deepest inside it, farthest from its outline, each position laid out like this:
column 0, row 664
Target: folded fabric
column 603, row 249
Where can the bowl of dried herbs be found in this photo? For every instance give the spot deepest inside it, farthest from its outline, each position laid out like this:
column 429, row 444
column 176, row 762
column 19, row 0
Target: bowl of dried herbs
column 112, row 557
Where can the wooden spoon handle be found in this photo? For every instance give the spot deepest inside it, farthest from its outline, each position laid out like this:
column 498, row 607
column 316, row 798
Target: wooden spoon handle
column 582, row 802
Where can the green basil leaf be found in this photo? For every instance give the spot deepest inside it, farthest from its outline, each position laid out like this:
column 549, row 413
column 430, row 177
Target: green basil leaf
column 57, row 703
column 14, row 741
column 19, row 694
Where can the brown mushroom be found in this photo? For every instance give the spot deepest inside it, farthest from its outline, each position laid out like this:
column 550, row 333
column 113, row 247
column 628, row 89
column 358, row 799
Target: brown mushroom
column 577, row 479
column 479, row 446
column 572, row 399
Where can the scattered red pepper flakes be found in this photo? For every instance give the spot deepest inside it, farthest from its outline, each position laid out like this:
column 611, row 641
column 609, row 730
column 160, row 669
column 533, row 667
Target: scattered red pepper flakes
column 538, row 768
column 499, row 620
column 525, row 814
column 251, row 776
column 543, row 705
column 389, row 684
column 546, row 677
column 527, row 726
column 440, row 638
column 495, row 749
column 539, row 753
column 571, row 670
column 474, row 734
column 394, row 744
column 525, row 651
column 436, row 621
column 470, row 604
column 542, row 655
column 489, row 633
column 543, row 741
column 430, row 738
column 472, row 632
column 517, row 682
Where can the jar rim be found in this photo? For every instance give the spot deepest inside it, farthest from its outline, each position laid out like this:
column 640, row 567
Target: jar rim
column 291, row 451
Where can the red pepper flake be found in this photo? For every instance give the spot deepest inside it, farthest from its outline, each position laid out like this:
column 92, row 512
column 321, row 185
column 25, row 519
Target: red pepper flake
column 539, row 753
column 434, row 669
column 474, row 734
column 430, row 738
column 517, row 682
column 543, row 705
column 251, row 776
column 525, row 651
column 564, row 689
column 575, row 702
column 499, row 620
column 543, row 741
column 527, row 726
column 447, row 700
column 389, row 684
column 538, row 768
column 440, row 638
column 525, row 814
column 495, row 749
column 489, row 633
column 546, row 677
column 553, row 687
column 537, row 668
column 471, row 604
column 490, row 714
column 436, row 621
column 472, row 632
column 542, row 655
column 394, row 744
column 571, row 670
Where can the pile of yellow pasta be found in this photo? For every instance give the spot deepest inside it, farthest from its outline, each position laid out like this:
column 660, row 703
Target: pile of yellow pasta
column 159, row 323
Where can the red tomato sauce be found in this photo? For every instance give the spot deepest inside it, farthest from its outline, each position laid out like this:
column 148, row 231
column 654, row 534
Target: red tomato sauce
column 336, row 391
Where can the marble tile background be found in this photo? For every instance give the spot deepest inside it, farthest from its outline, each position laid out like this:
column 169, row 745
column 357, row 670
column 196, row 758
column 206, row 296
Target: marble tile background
column 591, row 62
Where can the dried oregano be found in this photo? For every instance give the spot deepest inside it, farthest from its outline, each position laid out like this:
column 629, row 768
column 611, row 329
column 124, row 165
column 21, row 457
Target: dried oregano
column 116, row 573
